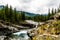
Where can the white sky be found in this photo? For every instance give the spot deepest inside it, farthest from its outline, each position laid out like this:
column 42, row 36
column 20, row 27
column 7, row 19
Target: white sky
column 34, row 6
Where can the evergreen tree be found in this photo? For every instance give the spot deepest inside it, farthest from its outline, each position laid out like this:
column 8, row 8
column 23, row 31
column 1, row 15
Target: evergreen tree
column 15, row 14
column 23, row 15
column 4, row 15
column 11, row 12
column 1, row 14
column 45, row 18
column 49, row 14
column 52, row 11
column 42, row 17
column 59, row 8
column 55, row 11
column 6, row 11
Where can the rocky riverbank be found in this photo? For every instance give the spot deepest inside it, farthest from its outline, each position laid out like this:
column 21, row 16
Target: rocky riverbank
column 48, row 31
column 7, row 29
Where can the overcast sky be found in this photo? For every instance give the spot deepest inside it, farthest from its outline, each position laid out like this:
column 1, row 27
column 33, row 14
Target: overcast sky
column 33, row 6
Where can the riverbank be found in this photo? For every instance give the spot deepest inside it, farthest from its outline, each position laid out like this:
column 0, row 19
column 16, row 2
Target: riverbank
column 48, row 31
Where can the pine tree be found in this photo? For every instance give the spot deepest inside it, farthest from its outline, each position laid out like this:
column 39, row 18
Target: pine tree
column 49, row 14
column 4, row 15
column 23, row 15
column 15, row 14
column 55, row 11
column 59, row 8
column 41, row 17
column 52, row 11
column 11, row 14
column 6, row 11
column 1, row 14
column 45, row 18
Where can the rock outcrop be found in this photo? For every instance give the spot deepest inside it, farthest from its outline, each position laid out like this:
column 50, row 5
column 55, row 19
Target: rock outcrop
column 56, row 16
column 50, row 30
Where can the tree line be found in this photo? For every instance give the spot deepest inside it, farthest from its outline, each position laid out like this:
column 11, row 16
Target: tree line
column 12, row 15
column 47, row 16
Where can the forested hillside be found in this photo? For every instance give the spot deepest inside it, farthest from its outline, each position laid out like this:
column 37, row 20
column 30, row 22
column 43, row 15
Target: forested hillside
column 12, row 15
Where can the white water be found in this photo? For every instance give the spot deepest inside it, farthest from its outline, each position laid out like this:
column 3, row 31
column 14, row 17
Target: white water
column 22, row 35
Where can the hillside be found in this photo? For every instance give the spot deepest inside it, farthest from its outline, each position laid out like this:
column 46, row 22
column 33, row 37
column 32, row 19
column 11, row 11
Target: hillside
column 28, row 14
column 50, row 30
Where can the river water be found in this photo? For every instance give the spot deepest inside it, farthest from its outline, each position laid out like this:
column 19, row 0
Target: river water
column 22, row 35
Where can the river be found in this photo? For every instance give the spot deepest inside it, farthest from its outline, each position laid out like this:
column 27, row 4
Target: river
column 21, row 35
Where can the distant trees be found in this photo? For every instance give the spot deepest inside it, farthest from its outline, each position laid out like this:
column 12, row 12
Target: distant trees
column 23, row 15
column 49, row 14
column 12, row 15
column 55, row 11
column 39, row 18
column 52, row 11
column 46, row 16
column 58, row 10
